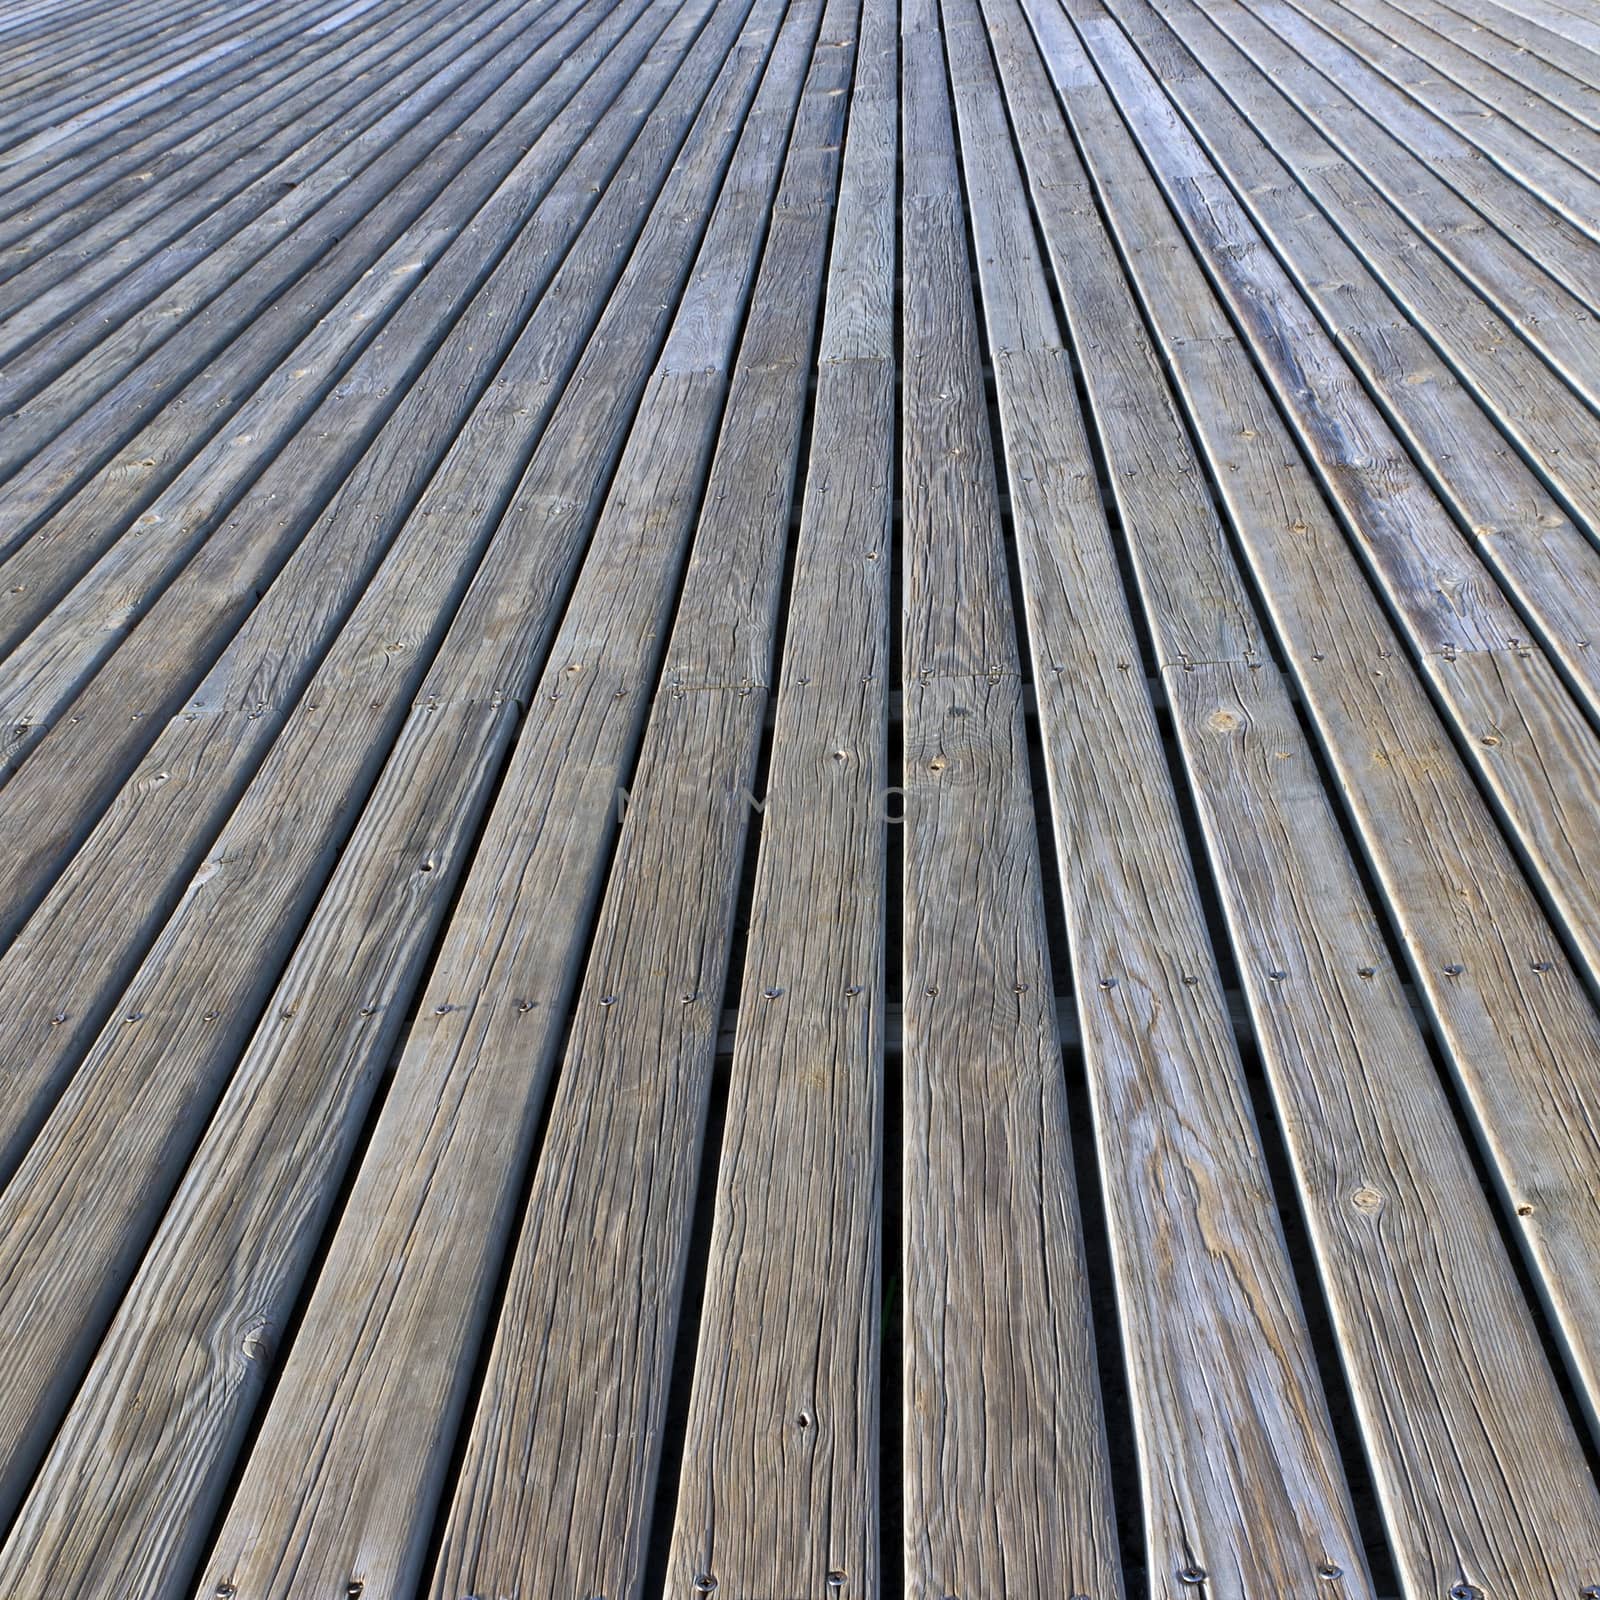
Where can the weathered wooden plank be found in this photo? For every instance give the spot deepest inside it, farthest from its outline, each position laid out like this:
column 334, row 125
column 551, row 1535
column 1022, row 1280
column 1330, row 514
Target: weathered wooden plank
column 1526, row 400
column 171, row 194
column 148, row 54
column 573, row 753
column 1516, row 1023
column 1555, row 155
column 1436, row 223
column 1513, row 45
column 1479, row 1471
column 1166, row 1080
column 373, row 669
column 1570, row 37
column 60, row 174
column 142, row 537
column 1548, row 206
column 73, row 399
column 1544, row 562
column 778, row 1487
column 1003, row 1435
column 1528, row 741
column 267, row 857
column 317, row 554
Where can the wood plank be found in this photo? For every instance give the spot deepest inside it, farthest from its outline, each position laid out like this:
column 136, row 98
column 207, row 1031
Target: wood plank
column 144, row 526
column 1480, row 1474
column 1549, row 207
column 1558, row 326
column 1003, row 1434
column 1553, row 154
column 573, row 753
column 151, row 53
column 55, row 175
column 778, row 1486
column 179, row 1077
column 585, row 1421
column 1540, row 762
column 136, row 864
column 1542, row 560
column 1165, row 1078
column 78, row 395
column 125, row 224
column 1568, row 35
column 304, row 542
column 1513, row 46
column 1515, row 1021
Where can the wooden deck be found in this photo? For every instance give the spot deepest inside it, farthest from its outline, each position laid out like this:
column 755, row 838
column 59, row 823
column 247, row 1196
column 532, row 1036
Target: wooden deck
column 799, row 799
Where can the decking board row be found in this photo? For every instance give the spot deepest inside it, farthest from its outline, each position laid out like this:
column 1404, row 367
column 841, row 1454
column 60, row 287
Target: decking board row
column 532, row 527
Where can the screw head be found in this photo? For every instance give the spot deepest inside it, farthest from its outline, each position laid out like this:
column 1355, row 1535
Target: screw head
column 1192, row 1574
column 705, row 1582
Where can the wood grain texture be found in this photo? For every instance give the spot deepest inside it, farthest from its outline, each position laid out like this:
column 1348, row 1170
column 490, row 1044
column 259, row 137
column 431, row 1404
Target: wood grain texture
column 1406, row 1244
column 390, row 547
column 144, row 525
column 1555, row 162
column 1006, row 1480
column 1518, row 1027
column 594, row 688
column 778, row 1488
column 131, row 354
column 1471, row 331
column 562, row 1452
column 1536, row 552
column 1166, row 1080
column 210, row 990
column 1513, row 46
column 1524, row 289
column 453, row 452
column 1548, row 776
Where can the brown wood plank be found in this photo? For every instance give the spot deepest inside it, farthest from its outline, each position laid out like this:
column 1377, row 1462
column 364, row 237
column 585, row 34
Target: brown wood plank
column 348, row 1505
column 83, row 580
column 75, row 397
column 211, row 970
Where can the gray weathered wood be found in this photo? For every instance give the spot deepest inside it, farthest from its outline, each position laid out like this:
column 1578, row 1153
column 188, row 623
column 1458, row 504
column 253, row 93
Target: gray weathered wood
column 1003, row 1433
column 1518, row 1028
column 778, row 1487
column 1445, row 1366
